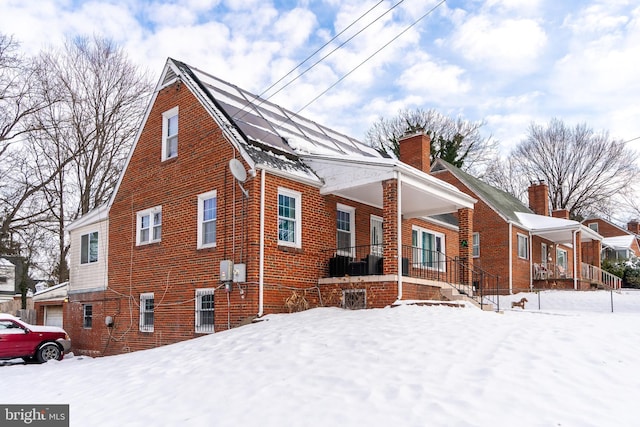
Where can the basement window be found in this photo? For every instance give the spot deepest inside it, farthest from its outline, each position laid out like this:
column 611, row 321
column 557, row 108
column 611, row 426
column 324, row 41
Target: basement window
column 146, row 312
column 354, row 299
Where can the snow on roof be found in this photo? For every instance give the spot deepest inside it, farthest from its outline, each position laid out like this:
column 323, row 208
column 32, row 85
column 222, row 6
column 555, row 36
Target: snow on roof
column 555, row 228
column 619, row 242
column 541, row 222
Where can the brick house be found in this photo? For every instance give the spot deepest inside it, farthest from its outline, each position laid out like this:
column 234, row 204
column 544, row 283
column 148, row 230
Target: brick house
column 617, row 243
column 230, row 207
column 526, row 246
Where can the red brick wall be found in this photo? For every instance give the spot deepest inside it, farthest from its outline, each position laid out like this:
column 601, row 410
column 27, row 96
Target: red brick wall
column 606, row 229
column 494, row 235
column 174, row 268
column 90, row 342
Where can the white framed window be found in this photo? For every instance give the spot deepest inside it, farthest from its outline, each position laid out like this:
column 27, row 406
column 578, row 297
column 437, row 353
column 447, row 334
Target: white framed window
column 207, row 219
column 375, row 225
column 89, row 248
column 87, row 316
column 476, row 245
column 204, row 311
column 523, row 246
column 562, row 259
column 146, row 312
column 594, row 226
column 346, row 238
column 170, row 134
column 428, row 249
column 149, row 226
column 289, row 218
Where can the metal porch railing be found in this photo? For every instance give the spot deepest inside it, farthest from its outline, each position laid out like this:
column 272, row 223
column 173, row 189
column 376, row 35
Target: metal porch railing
column 417, row 263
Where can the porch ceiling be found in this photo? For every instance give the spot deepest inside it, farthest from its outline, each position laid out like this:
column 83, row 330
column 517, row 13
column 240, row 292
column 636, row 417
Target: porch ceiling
column 361, row 180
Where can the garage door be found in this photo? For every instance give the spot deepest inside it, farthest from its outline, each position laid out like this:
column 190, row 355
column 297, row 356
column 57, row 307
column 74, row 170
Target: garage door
column 53, row 315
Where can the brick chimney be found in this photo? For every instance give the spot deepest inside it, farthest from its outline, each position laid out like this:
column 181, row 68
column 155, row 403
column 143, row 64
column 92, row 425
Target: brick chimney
column 633, row 226
column 539, row 198
column 560, row 213
column 415, row 150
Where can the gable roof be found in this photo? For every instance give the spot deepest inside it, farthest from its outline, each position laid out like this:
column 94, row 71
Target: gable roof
column 596, row 218
column 514, row 211
column 284, row 143
column 505, row 204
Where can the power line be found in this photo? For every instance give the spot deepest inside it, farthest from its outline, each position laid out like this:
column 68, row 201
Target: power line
column 372, row 55
column 261, row 100
column 318, row 50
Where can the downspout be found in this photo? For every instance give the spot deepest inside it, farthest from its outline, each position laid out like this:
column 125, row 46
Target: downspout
column 261, row 262
column 530, row 261
column 510, row 258
column 399, row 225
column 575, row 261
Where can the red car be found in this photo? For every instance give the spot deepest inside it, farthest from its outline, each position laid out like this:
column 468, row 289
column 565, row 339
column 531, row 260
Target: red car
column 31, row 342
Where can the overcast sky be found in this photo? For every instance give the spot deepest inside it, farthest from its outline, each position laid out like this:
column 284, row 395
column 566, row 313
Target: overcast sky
column 509, row 62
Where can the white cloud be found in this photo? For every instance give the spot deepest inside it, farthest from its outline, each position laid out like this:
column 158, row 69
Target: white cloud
column 433, row 82
column 504, row 45
column 599, row 74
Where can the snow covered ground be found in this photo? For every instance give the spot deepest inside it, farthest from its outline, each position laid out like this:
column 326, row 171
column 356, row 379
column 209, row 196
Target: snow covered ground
column 572, row 363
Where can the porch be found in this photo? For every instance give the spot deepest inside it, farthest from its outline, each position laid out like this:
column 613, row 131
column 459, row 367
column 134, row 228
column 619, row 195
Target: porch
column 426, row 274
column 554, row 276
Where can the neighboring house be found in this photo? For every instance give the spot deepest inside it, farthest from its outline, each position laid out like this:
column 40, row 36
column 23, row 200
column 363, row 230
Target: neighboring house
column 7, row 280
column 231, row 207
column 49, row 304
column 88, row 255
column 618, row 243
column 525, row 246
column 12, row 275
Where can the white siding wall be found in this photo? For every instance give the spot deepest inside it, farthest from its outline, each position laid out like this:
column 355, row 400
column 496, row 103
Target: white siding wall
column 92, row 275
column 8, row 271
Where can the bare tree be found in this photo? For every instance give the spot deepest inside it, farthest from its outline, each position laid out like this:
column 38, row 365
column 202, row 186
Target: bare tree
column 584, row 169
column 505, row 175
column 21, row 97
column 458, row 141
column 103, row 97
column 19, row 94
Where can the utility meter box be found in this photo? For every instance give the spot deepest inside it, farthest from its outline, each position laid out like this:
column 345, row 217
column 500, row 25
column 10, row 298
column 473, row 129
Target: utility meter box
column 240, row 273
column 226, row 270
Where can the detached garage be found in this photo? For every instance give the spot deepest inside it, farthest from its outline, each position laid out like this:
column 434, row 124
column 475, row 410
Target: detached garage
column 49, row 303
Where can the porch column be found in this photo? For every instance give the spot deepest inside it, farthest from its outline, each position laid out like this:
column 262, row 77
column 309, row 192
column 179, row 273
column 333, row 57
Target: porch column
column 577, row 258
column 390, row 226
column 465, row 243
column 597, row 253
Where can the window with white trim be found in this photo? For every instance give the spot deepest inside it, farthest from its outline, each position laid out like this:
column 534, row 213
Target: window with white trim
column 204, row 311
column 207, row 219
column 170, row 134
column 87, row 316
column 476, row 245
column 428, row 249
column 523, row 246
column 376, row 235
column 594, row 226
column 149, row 226
column 89, row 248
column 562, row 260
column 346, row 238
column 146, row 312
column 289, row 218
